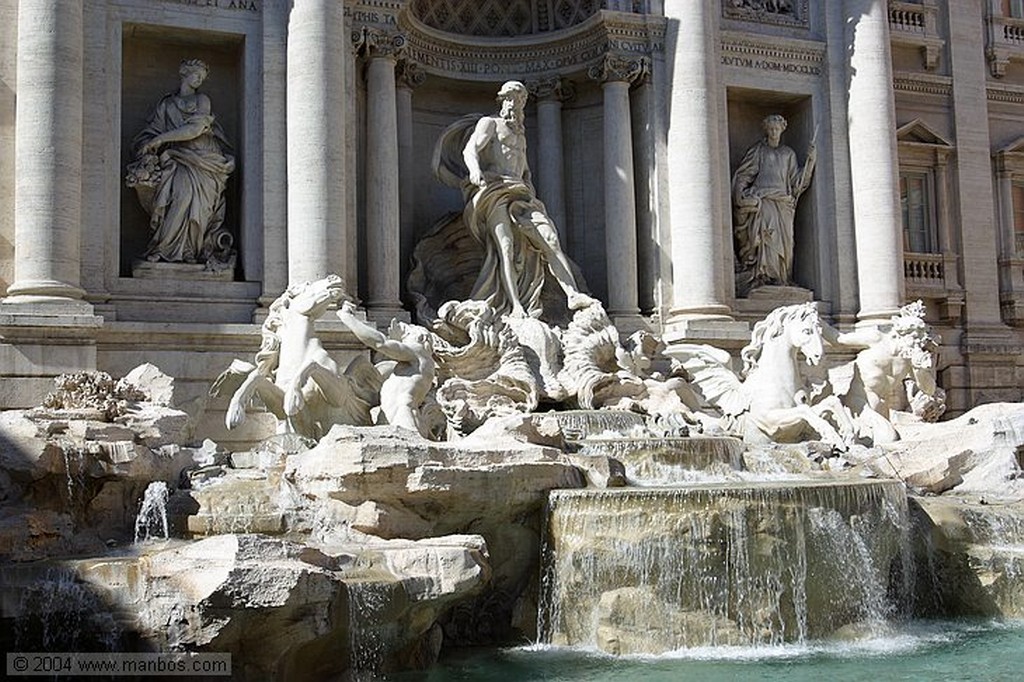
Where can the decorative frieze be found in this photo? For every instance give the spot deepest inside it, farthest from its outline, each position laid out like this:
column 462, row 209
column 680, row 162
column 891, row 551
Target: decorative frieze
column 782, row 12
column 784, row 56
column 562, row 52
column 923, row 84
column 1005, row 93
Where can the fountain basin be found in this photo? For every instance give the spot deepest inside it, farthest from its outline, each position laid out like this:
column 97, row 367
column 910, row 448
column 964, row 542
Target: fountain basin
column 669, row 460
column 650, row 570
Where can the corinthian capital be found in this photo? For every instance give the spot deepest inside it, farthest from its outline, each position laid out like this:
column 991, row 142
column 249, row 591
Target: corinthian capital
column 616, row 67
column 552, row 88
column 374, row 42
column 408, row 74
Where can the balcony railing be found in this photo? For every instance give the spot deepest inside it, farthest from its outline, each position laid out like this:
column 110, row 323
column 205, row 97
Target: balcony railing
column 927, row 269
column 1005, row 42
column 915, row 25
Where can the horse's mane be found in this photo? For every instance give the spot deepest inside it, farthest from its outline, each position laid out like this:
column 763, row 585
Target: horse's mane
column 270, row 343
column 770, row 328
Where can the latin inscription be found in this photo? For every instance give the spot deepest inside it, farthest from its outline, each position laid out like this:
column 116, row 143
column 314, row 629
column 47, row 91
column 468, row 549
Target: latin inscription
column 242, row 5
column 367, row 17
column 772, row 65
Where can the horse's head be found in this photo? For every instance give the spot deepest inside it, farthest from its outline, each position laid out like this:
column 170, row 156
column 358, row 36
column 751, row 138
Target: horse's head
column 313, row 299
column 803, row 330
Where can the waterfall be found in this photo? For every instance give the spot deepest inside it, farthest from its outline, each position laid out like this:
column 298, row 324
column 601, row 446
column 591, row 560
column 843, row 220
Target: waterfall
column 57, row 612
column 152, row 513
column 670, row 460
column 582, row 424
column 369, row 641
column 650, row 570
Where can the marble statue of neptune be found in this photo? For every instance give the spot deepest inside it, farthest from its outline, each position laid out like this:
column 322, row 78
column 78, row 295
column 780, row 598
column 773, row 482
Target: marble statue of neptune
column 486, row 156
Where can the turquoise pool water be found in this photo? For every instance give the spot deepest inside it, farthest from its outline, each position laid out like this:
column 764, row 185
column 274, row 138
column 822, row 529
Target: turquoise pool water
column 936, row 651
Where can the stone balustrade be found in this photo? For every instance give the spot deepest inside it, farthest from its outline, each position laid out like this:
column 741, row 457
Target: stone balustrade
column 1005, row 42
column 924, row 268
column 916, row 25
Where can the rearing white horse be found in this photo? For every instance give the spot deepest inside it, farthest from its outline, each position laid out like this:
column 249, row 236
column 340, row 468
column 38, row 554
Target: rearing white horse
column 294, row 376
column 768, row 399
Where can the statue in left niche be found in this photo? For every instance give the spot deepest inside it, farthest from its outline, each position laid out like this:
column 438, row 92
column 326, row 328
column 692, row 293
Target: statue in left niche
column 180, row 170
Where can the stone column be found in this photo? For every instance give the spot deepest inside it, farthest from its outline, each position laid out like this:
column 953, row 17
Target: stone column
column 645, row 175
column 48, row 154
column 874, row 164
column 550, row 176
column 275, row 148
column 1004, row 179
column 616, row 73
column 316, row 106
column 694, row 211
column 409, row 77
column 382, row 194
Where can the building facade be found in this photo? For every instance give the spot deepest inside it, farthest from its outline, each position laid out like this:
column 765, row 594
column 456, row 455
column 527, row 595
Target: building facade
column 642, row 111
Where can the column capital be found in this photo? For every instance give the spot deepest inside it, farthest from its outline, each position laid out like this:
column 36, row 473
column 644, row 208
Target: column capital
column 409, row 75
column 619, row 68
column 552, row 88
column 374, row 42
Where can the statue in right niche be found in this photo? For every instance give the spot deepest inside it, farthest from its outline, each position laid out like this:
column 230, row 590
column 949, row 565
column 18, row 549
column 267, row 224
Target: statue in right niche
column 765, row 189
column 180, row 170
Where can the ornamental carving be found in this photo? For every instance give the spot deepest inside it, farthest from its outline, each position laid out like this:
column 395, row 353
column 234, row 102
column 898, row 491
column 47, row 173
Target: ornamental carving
column 619, row 68
column 790, row 12
column 565, row 53
column 373, row 42
column 555, row 87
column 503, row 18
column 408, row 74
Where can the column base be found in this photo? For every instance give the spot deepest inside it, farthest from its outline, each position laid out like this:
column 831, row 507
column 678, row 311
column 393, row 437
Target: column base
column 875, row 318
column 723, row 332
column 44, row 289
column 628, row 323
column 383, row 313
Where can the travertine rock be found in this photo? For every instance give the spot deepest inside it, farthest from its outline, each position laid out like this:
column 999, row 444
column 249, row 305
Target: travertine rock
column 295, row 611
column 980, row 446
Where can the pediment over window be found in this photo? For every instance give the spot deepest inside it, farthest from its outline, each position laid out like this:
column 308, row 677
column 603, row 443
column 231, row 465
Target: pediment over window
column 1015, row 147
column 919, row 132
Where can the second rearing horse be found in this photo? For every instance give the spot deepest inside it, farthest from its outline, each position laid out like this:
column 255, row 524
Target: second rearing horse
column 769, row 399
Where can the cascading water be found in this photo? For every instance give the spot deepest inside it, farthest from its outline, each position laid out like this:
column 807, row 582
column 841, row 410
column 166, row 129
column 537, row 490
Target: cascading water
column 153, row 513
column 57, row 612
column 651, row 570
column 368, row 639
column 670, row 460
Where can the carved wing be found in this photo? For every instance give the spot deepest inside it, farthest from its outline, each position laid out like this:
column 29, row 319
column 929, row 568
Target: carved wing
column 230, row 379
column 711, row 373
column 364, row 379
column 447, row 163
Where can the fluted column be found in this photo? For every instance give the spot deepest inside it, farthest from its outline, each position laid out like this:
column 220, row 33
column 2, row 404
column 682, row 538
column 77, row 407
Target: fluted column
column 382, row 187
column 275, row 147
column 316, row 106
column 409, row 77
column 874, row 162
column 48, row 153
column 616, row 73
column 694, row 214
column 550, row 175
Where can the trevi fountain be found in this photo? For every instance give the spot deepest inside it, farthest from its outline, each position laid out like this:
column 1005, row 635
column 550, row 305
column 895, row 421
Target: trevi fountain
column 511, row 482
